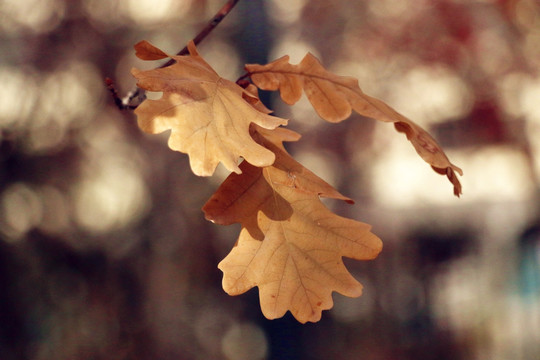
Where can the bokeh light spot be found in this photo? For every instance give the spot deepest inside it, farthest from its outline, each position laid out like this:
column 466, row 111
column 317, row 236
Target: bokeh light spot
column 391, row 8
column 149, row 11
column 431, row 94
column 292, row 45
column 30, row 15
column 110, row 198
column 14, row 108
column 21, row 210
column 286, row 11
column 245, row 341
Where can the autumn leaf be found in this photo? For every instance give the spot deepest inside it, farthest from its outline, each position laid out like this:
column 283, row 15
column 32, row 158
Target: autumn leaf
column 334, row 97
column 146, row 51
column 209, row 117
column 290, row 245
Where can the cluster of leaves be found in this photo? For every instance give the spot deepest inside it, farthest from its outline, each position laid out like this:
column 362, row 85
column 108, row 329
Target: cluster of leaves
column 290, row 245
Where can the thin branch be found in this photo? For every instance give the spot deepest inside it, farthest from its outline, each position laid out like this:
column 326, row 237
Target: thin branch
column 220, row 15
column 125, row 102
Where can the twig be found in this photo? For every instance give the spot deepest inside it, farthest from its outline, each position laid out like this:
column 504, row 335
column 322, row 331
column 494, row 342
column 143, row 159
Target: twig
column 220, row 15
column 125, row 102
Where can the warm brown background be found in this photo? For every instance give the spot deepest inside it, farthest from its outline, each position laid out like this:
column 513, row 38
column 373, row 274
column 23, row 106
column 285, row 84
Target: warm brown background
column 105, row 254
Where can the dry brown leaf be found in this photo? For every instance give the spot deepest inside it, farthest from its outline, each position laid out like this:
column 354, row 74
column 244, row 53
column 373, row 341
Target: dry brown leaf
column 334, row 97
column 146, row 51
column 208, row 116
column 290, row 245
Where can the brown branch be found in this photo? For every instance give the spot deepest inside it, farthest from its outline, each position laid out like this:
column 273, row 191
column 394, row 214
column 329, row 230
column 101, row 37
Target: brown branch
column 125, row 102
column 220, row 15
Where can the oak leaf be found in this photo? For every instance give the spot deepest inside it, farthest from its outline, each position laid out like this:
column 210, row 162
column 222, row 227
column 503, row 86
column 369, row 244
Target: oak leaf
column 334, row 97
column 290, row 245
column 208, row 116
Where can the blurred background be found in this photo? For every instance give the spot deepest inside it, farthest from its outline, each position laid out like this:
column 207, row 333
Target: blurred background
column 105, row 253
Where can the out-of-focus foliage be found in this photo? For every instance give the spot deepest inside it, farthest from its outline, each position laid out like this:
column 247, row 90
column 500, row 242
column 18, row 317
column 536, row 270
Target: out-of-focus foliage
column 104, row 251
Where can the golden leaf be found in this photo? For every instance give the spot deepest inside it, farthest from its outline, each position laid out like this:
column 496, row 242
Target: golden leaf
column 290, row 245
column 208, row 116
column 334, row 97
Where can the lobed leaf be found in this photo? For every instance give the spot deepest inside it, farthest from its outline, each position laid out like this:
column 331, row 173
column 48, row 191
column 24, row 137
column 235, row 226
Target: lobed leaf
column 334, row 97
column 208, row 116
column 290, row 245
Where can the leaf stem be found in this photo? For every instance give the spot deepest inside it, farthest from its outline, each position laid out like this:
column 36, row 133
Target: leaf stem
column 125, row 102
